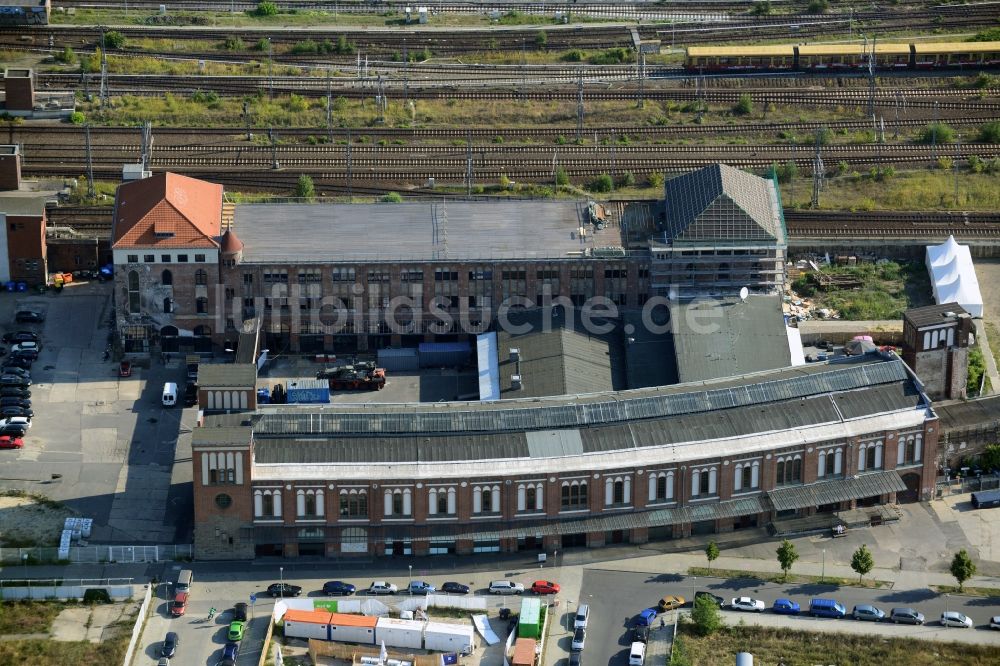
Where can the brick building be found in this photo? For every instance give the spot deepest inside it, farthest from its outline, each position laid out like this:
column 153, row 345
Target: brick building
column 23, row 249
column 629, row 466
column 936, row 347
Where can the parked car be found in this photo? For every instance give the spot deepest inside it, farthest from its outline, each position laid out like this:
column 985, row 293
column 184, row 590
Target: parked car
column 14, row 380
column 747, row 604
column 16, row 337
column 827, row 608
column 575, row 659
column 236, row 629
column 579, row 640
column 995, row 622
column 906, row 616
column 640, row 634
column 582, row 616
column 26, row 346
column 11, row 410
column 16, row 421
column 15, row 392
column 785, row 607
column 545, row 587
column 283, row 590
column 170, row 644
column 190, row 395
column 14, row 370
column 451, row 587
column 179, row 605
column 15, row 431
column 420, row 587
column 29, row 316
column 19, row 361
column 506, row 587
column 15, row 402
column 9, row 442
column 868, row 613
column 670, row 603
column 716, row 599
column 646, row 617
column 338, row 588
column 231, row 651
column 956, row 619
column 240, row 613
column 382, row 587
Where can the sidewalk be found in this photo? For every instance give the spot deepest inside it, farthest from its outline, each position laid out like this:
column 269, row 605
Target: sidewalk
column 991, row 365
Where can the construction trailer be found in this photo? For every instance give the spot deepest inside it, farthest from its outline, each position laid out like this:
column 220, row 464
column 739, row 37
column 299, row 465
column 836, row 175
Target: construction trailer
column 444, row 637
column 400, row 633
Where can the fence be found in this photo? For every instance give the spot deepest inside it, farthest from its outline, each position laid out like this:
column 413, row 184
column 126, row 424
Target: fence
column 452, row 601
column 64, row 588
column 140, row 620
column 98, row 554
column 969, row 484
column 265, row 648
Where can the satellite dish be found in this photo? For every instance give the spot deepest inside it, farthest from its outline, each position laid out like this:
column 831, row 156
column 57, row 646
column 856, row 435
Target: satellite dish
column 744, row 292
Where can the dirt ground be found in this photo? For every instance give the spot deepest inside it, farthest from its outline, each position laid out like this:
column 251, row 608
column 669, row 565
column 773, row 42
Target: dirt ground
column 88, row 623
column 27, row 523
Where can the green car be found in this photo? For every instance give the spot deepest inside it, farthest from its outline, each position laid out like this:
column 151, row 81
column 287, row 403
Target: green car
column 236, row 630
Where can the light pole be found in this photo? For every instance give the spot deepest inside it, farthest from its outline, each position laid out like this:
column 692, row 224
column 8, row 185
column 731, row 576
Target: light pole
column 822, row 576
column 281, row 586
column 168, row 584
column 409, row 585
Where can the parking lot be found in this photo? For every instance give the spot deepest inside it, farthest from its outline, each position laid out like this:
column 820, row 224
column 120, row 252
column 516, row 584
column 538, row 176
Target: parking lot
column 99, row 443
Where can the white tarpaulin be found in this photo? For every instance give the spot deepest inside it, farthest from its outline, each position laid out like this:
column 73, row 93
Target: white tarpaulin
column 953, row 276
column 485, row 630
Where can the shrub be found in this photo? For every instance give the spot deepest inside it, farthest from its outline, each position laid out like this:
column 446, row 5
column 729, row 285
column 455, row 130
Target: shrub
column 305, row 47
column 656, row 179
column 504, row 182
column 392, row 197
column 96, row 596
column 265, row 9
column 562, row 178
column 938, row 133
column 114, row 40
column 761, row 8
column 615, row 56
column 977, row 366
column 990, row 35
column 77, row 118
column 304, row 189
column 945, row 163
column 705, row 615
column 297, row 103
column 234, row 43
column 990, row 132
column 602, row 183
column 209, row 98
column 340, row 104
column 842, row 167
column 66, row 56
column 786, row 172
column 541, row 39
column 344, row 47
column 818, row 6
column 560, row 140
column 825, row 135
column 574, row 55
column 976, row 164
column 627, row 179
column 262, row 44
column 744, row 105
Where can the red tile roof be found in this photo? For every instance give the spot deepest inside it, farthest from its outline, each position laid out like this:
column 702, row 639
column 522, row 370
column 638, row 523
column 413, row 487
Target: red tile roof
column 231, row 244
column 168, row 210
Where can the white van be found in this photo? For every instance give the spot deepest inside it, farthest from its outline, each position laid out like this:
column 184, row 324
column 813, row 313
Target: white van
column 637, row 655
column 169, row 394
column 184, row 580
column 582, row 615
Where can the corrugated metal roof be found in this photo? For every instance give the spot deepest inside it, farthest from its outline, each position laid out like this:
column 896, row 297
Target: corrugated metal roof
column 969, row 413
column 558, row 362
column 235, row 435
column 223, row 375
column 877, row 399
column 554, row 443
column 828, row 492
column 390, row 449
column 932, row 315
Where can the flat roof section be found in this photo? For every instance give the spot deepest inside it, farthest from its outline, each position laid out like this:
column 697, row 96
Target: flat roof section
column 420, row 231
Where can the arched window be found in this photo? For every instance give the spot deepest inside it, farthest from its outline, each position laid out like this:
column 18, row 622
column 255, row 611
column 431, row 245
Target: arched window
column 310, row 505
column 619, row 492
column 821, row 465
column 200, row 276
column 201, row 305
column 870, row 455
column 442, row 501
column 747, row 472
column 530, row 495
column 167, row 278
column 267, row 505
column 133, row 292
column 797, row 469
column 780, row 475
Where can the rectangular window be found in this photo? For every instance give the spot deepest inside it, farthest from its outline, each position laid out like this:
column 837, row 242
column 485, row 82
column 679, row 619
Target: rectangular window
column 411, row 276
column 378, row 276
column 149, row 258
column 342, row 275
column 165, row 258
column 445, row 275
column 354, row 505
column 133, row 258
column 182, row 258
column 248, row 278
column 199, row 258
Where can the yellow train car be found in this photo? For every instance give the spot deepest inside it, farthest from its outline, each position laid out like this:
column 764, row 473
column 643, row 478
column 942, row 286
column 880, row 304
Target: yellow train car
column 956, row 54
column 852, row 56
column 740, row 58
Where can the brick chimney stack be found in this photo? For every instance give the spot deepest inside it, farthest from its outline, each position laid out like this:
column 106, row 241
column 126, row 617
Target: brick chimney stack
column 10, row 168
column 20, row 87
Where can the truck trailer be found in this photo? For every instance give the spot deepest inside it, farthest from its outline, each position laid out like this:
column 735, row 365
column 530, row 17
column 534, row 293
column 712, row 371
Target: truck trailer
column 364, row 376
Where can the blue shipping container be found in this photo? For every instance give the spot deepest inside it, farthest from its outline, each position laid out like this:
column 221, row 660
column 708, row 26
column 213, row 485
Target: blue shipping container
column 308, row 391
column 444, row 354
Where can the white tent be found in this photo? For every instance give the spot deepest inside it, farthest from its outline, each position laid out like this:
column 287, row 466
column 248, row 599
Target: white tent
column 953, row 276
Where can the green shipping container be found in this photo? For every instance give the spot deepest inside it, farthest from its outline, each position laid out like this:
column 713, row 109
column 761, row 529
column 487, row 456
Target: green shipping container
column 530, row 622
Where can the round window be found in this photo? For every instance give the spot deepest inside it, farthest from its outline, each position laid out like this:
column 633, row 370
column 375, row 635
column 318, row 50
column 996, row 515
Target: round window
column 223, row 500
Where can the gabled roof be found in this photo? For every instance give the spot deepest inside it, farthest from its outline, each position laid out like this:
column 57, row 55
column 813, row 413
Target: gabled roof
column 168, row 210
column 933, row 315
column 722, row 204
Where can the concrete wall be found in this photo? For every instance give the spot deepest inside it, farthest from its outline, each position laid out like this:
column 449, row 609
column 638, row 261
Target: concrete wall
column 67, row 591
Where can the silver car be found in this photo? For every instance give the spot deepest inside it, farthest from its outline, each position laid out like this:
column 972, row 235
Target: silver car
column 868, row 613
column 956, row 619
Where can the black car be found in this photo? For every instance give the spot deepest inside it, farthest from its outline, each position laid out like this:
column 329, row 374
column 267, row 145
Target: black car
column 169, row 647
column 19, row 337
column 30, row 354
column 10, row 410
column 18, row 361
column 13, row 430
column 338, row 588
column 575, row 658
column 451, row 587
column 640, row 634
column 14, row 380
column 240, row 612
column 190, row 395
column 283, row 590
column 30, row 316
column 20, row 372
column 14, row 402
column 14, row 392
column 717, row 600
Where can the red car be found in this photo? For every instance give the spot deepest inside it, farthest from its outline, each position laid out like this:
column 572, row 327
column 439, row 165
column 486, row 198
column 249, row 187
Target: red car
column 8, row 442
column 125, row 369
column 545, row 587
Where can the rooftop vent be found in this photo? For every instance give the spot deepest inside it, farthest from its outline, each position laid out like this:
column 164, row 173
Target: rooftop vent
column 515, row 382
column 515, row 355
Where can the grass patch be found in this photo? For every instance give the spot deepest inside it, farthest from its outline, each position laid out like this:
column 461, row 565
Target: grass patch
column 769, row 577
column 967, row 590
column 28, row 617
column 911, row 190
column 887, row 290
column 779, row 645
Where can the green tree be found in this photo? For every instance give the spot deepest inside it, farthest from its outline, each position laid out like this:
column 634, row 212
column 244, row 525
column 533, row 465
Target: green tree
column 114, row 40
column 990, row 458
column 305, row 189
column 990, row 132
column 862, row 561
column 541, row 39
column 786, row 172
column 977, row 368
column 711, row 553
column 818, row 6
column 762, row 8
column 744, row 105
column 705, row 615
column 962, row 568
column 66, row 56
column 266, row 9
column 938, row 133
column 562, row 178
column 602, row 183
column 786, row 556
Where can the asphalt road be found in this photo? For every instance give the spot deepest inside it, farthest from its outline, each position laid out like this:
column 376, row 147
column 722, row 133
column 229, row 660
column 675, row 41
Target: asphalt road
column 616, row 598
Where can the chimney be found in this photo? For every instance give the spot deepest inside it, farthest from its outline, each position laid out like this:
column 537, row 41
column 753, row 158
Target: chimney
column 10, row 168
column 19, row 85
